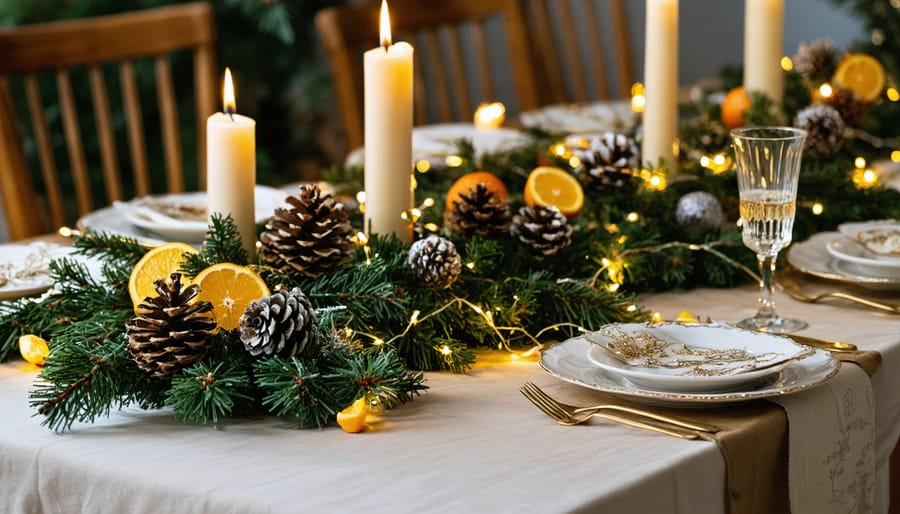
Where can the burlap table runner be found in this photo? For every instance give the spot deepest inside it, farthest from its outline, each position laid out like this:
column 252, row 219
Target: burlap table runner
column 753, row 438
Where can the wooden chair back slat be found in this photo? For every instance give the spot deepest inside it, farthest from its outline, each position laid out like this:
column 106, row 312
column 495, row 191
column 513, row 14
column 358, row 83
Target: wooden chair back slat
column 44, row 148
column 169, row 122
column 460, row 84
column 10, row 160
column 94, row 169
column 73, row 144
column 350, row 30
column 134, row 121
column 109, row 158
column 563, row 54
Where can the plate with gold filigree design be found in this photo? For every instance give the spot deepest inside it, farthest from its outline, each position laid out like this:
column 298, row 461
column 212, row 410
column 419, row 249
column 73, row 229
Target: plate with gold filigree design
column 689, row 356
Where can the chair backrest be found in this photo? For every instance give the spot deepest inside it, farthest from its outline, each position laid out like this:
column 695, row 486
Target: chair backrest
column 125, row 54
column 456, row 65
column 573, row 42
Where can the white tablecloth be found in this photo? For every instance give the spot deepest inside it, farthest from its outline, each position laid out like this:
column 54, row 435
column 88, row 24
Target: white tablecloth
column 473, row 443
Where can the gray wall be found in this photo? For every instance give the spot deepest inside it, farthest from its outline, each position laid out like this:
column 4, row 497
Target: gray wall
column 711, row 32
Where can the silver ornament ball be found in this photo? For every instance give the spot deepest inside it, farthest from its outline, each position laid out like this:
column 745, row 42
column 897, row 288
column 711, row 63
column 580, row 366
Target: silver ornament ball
column 699, row 212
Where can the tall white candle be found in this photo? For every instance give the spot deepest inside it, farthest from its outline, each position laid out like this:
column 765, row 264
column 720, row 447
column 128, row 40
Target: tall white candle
column 661, row 84
column 388, row 95
column 764, row 47
column 231, row 167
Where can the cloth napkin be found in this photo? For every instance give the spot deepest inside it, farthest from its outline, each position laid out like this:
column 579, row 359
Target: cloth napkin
column 831, row 462
column 754, row 440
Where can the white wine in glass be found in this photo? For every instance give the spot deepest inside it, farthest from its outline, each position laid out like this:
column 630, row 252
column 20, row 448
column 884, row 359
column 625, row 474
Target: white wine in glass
column 768, row 161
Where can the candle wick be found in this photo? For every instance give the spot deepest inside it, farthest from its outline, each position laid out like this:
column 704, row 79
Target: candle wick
column 385, row 44
column 230, row 113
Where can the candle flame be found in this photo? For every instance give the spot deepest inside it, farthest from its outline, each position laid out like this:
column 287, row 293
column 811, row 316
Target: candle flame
column 228, row 93
column 385, row 25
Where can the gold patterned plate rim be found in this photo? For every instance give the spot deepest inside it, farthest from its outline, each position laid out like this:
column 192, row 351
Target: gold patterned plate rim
column 568, row 361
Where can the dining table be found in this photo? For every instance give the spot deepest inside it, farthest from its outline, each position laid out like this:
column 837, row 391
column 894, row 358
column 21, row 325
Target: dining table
column 472, row 443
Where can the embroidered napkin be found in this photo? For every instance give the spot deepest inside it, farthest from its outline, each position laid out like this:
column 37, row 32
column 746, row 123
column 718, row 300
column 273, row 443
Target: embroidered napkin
column 831, row 461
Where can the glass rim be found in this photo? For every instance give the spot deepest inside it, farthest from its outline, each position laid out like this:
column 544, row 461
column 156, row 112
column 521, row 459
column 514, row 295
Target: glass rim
column 790, row 133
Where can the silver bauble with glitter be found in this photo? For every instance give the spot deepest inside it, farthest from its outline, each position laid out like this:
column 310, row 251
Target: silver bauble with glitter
column 698, row 213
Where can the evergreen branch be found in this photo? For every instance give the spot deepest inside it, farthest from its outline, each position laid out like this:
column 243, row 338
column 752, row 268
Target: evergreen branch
column 222, row 244
column 109, row 247
column 203, row 393
column 294, row 388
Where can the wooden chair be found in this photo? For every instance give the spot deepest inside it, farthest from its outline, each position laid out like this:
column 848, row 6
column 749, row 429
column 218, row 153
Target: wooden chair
column 456, row 67
column 571, row 49
column 142, row 48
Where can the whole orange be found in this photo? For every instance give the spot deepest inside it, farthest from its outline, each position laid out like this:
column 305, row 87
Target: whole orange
column 733, row 106
column 470, row 181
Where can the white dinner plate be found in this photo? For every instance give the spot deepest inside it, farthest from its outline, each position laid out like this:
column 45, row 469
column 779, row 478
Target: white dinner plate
column 755, row 355
column 615, row 116
column 569, row 361
column 153, row 229
column 811, row 256
column 846, row 249
column 28, row 268
column 859, row 230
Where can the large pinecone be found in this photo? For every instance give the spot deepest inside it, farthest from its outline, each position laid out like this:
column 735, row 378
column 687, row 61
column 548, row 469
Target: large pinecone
column 478, row 213
column 543, row 230
column 824, row 130
column 609, row 161
column 282, row 324
column 170, row 331
column 816, row 61
column 434, row 262
column 311, row 238
column 850, row 106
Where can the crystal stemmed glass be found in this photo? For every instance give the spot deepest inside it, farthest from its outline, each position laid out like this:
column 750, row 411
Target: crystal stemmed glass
column 768, row 162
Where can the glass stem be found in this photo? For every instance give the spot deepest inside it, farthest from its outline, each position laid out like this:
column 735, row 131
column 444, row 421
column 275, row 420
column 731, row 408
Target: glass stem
column 766, row 286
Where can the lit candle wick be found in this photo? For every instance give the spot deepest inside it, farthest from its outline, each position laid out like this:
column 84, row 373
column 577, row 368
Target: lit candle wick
column 229, row 106
column 385, row 26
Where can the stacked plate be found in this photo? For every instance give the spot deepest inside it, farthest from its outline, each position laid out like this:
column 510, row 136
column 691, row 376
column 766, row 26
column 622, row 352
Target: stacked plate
column 865, row 253
column 688, row 364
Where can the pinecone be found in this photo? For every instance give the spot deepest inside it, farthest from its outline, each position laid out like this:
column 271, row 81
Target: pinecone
column 170, row 331
column 816, row 61
column 282, row 324
column 609, row 161
column 479, row 213
column 433, row 261
column 311, row 238
column 825, row 130
column 851, row 108
column 543, row 230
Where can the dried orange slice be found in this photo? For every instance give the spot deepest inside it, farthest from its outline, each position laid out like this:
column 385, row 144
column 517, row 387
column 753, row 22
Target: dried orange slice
column 158, row 263
column 230, row 288
column 551, row 186
column 463, row 184
column 353, row 418
column 862, row 74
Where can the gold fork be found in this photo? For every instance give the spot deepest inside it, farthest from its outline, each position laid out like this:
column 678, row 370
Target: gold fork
column 795, row 292
column 553, row 409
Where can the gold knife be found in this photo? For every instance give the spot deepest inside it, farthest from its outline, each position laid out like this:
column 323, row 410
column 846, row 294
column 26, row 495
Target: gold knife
column 825, row 344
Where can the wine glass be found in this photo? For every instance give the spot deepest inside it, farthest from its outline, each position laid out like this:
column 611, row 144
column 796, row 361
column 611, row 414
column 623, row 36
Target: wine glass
column 768, row 162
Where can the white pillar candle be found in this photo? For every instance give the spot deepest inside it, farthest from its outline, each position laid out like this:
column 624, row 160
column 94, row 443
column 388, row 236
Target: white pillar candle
column 764, row 47
column 231, row 168
column 388, row 95
column 661, row 85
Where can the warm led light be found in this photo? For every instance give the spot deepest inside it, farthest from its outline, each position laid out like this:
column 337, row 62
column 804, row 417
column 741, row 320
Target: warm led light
column 453, row 161
column 415, row 317
column 446, row 350
column 864, row 178
column 604, row 261
column 429, row 202
column 422, row 165
column 892, row 94
column 632, row 217
column 431, row 227
column 362, row 239
column 385, row 26
column 687, row 317
column 859, row 162
column 230, row 106
column 361, row 197
column 719, row 159
column 558, row 150
column 825, row 90
column 657, row 182
column 818, row 208
column 787, row 64
column 489, row 115
column 613, row 287
column 470, row 265
column 638, row 98
column 378, row 342
column 895, row 156
column 574, row 162
column 33, row 349
column 705, row 161
column 656, row 317
column 631, row 308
